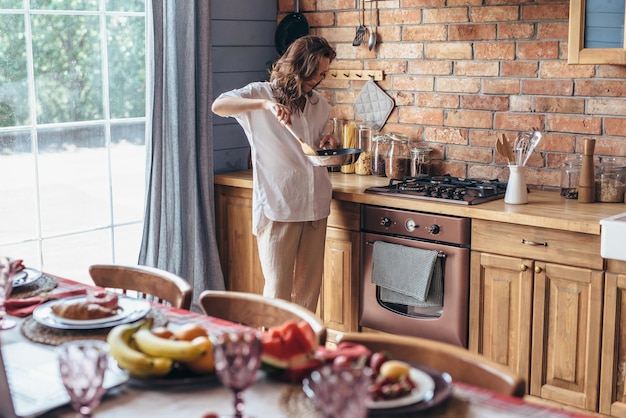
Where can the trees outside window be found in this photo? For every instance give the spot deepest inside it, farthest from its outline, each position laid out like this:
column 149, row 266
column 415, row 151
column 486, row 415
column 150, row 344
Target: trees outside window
column 72, row 132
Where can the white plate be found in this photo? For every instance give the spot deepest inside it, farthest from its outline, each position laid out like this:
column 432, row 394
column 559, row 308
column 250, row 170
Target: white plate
column 131, row 310
column 26, row 277
column 424, row 391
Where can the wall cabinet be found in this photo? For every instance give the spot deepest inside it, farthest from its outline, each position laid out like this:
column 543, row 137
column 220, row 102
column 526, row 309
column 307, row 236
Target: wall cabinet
column 536, row 306
column 338, row 305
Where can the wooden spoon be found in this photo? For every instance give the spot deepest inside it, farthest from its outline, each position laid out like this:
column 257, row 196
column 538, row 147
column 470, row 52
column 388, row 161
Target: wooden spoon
column 508, row 150
column 306, row 148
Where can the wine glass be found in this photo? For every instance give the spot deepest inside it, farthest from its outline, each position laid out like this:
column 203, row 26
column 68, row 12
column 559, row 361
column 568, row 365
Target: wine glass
column 237, row 357
column 8, row 268
column 339, row 391
column 82, row 364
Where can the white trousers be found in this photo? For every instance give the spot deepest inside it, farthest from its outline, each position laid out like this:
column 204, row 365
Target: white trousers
column 292, row 260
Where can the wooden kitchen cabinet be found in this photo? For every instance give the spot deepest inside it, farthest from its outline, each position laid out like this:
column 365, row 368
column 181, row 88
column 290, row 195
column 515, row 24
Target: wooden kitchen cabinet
column 613, row 370
column 536, row 306
column 237, row 246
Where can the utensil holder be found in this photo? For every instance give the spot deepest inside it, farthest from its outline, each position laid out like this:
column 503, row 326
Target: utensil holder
column 516, row 192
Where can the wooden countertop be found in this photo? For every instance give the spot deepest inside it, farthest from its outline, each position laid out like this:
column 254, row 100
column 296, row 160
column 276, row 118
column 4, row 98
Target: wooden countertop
column 544, row 209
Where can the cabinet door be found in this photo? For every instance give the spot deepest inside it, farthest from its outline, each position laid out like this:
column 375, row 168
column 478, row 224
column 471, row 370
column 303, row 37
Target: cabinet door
column 567, row 322
column 613, row 377
column 237, row 246
column 500, row 310
column 340, row 288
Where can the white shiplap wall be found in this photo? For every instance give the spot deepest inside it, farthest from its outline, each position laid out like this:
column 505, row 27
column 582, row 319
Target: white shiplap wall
column 242, row 37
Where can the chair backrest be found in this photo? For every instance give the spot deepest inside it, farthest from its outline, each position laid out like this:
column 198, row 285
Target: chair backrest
column 461, row 364
column 257, row 311
column 144, row 282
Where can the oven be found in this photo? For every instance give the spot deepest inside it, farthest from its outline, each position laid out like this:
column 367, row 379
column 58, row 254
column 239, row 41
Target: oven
column 447, row 238
column 408, row 252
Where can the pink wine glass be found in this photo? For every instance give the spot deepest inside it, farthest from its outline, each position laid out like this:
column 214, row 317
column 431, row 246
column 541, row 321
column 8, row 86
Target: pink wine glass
column 237, row 357
column 339, row 391
column 8, row 268
column 83, row 364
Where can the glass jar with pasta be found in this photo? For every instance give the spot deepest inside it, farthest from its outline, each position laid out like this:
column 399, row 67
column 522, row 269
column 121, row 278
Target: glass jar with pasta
column 349, row 140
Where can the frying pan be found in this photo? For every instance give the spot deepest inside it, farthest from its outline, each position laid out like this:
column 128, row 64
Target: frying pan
column 292, row 27
column 334, row 157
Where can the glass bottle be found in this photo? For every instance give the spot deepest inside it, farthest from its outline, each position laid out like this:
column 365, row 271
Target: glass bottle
column 420, row 160
column 379, row 151
column 610, row 181
column 570, row 176
column 363, row 165
column 398, row 157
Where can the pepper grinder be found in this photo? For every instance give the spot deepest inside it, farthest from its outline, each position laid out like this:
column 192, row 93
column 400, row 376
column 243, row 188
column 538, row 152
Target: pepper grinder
column 586, row 186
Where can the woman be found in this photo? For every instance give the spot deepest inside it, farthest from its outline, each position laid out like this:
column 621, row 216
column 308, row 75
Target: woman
column 291, row 198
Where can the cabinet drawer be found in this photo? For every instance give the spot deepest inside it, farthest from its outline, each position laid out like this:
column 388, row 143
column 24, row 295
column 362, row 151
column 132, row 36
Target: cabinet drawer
column 563, row 247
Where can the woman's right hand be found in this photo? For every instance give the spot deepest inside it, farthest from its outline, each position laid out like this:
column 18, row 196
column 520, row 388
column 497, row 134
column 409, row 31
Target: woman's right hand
column 281, row 112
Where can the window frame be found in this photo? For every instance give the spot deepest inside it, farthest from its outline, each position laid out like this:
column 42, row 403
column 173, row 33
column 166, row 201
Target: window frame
column 577, row 53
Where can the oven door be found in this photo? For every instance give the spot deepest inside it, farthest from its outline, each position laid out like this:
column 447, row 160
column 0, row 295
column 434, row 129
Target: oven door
column 449, row 324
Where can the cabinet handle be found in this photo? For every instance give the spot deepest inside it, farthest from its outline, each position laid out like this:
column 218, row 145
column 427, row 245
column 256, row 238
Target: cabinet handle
column 539, row 244
column 523, row 267
column 538, row 269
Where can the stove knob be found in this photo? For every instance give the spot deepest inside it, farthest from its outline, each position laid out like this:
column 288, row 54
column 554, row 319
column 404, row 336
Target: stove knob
column 434, row 229
column 385, row 221
column 410, row 225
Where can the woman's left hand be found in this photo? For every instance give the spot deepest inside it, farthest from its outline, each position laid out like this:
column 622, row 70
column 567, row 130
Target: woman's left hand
column 328, row 141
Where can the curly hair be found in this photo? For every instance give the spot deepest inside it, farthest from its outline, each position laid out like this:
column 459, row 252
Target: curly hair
column 297, row 65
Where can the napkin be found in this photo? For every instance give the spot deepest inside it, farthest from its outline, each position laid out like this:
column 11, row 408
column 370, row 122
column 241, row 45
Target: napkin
column 26, row 306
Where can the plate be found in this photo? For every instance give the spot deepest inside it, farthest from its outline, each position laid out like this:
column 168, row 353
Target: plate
column 424, row 390
column 442, row 391
column 26, row 277
column 174, row 380
column 132, row 310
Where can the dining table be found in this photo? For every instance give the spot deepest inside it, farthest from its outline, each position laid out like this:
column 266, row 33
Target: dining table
column 205, row 395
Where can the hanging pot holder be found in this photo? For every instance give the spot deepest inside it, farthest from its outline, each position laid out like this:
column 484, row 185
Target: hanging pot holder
column 373, row 105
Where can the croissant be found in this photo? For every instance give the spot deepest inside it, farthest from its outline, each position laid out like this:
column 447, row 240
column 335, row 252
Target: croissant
column 82, row 310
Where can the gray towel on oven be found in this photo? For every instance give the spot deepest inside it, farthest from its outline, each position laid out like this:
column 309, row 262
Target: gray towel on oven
column 434, row 299
column 406, row 271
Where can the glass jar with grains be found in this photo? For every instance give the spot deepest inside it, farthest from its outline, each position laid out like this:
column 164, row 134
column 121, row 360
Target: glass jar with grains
column 380, row 144
column 610, row 181
column 363, row 165
column 420, row 160
column 398, row 156
column 570, row 176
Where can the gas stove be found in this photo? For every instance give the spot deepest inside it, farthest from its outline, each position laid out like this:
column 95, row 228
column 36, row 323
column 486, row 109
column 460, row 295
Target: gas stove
column 444, row 188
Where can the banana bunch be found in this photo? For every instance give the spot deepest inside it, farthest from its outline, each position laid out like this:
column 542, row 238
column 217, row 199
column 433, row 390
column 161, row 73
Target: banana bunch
column 137, row 363
column 177, row 350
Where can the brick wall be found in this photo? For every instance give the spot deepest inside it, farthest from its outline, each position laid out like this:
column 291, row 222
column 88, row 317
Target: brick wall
column 463, row 71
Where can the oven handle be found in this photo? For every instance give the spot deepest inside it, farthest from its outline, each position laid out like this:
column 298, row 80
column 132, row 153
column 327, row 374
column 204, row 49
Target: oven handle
column 440, row 254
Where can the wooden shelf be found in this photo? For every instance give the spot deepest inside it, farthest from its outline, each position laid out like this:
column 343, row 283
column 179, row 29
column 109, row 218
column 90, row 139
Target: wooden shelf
column 355, row 74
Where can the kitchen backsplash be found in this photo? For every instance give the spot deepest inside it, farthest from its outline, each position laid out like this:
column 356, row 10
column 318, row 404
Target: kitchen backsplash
column 462, row 71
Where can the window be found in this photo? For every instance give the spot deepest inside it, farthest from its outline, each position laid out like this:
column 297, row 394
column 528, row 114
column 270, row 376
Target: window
column 72, row 132
column 596, row 32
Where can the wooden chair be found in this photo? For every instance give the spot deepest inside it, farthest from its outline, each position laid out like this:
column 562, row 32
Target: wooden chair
column 463, row 365
column 144, row 282
column 257, row 311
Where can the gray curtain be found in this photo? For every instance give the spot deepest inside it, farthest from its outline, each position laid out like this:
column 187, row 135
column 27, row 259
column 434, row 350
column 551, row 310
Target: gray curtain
column 179, row 230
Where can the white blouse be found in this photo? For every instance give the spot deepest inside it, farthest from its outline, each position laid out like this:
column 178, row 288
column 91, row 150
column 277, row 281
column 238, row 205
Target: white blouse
column 287, row 187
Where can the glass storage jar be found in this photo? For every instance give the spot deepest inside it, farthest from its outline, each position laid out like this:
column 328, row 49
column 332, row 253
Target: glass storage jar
column 610, row 181
column 363, row 165
column 420, row 160
column 380, row 144
column 398, row 156
column 570, row 176
column 348, row 140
